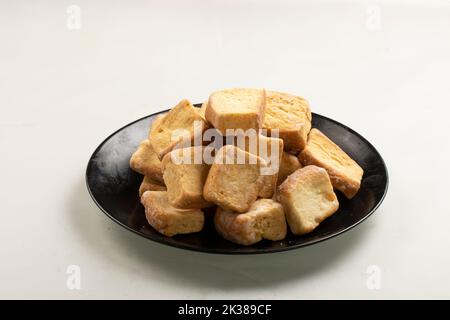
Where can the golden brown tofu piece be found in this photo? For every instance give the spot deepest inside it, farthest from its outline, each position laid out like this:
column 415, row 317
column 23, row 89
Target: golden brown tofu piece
column 145, row 161
column 237, row 108
column 149, row 184
column 291, row 115
column 308, row 198
column 185, row 174
column 169, row 220
column 344, row 172
column 264, row 220
column 181, row 123
column 234, row 180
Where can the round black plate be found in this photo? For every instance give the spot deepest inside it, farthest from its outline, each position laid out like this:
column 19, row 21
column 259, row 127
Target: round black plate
column 114, row 188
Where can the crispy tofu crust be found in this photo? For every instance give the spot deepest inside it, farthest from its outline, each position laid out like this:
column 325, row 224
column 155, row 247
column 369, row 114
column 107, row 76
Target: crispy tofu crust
column 291, row 115
column 264, row 220
column 145, row 161
column 344, row 172
column 289, row 164
column 181, row 117
column 149, row 184
column 232, row 185
column 308, row 198
column 237, row 108
column 185, row 181
column 264, row 147
column 156, row 122
column 167, row 219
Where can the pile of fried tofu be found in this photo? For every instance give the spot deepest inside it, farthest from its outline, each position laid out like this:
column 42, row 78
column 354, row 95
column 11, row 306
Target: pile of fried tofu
column 265, row 168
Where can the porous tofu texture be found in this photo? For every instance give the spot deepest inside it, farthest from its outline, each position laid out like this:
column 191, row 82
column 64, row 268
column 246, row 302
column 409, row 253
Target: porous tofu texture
column 308, row 198
column 233, row 185
column 289, row 114
column 264, row 220
column 344, row 172
column 289, row 164
column 180, row 123
column 167, row 219
column 269, row 149
column 184, row 175
column 149, row 184
column 237, row 108
column 145, row 161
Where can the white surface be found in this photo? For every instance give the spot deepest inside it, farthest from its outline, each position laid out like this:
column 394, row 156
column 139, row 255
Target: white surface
column 63, row 91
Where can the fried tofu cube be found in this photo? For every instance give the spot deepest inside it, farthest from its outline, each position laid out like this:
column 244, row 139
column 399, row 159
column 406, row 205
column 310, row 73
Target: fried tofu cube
column 145, row 161
column 234, row 180
column 237, row 108
column 169, row 220
column 344, row 172
column 308, row 198
column 179, row 124
column 269, row 149
column 264, row 220
column 291, row 115
column 185, row 174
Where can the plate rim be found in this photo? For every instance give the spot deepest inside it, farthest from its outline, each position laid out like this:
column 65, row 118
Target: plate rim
column 226, row 251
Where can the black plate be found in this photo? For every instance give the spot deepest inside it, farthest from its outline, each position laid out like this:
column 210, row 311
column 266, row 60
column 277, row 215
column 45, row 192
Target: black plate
column 114, row 188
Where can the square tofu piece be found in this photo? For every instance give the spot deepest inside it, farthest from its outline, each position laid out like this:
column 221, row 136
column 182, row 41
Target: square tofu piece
column 289, row 164
column 179, row 124
column 145, row 161
column 148, row 184
column 236, row 109
column 308, row 198
column 291, row 115
column 270, row 150
column 344, row 172
column 184, row 175
column 234, row 180
column 264, row 220
column 167, row 219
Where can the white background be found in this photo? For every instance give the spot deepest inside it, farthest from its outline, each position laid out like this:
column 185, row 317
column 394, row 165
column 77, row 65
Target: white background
column 381, row 67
